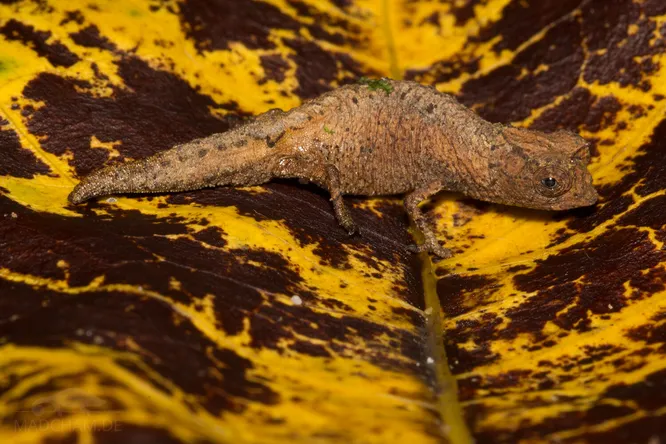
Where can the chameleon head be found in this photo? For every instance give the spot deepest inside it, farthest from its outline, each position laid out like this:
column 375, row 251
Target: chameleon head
column 546, row 171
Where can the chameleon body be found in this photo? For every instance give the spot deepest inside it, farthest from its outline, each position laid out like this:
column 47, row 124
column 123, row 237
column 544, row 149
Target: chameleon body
column 403, row 138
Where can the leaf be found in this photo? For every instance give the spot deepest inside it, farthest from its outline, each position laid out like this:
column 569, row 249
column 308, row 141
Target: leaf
column 215, row 316
column 247, row 315
column 554, row 326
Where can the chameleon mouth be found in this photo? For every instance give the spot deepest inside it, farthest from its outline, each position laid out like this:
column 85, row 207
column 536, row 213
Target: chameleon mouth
column 587, row 199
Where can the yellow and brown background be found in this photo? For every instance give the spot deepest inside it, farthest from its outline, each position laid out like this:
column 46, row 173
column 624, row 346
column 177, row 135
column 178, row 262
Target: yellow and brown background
column 247, row 315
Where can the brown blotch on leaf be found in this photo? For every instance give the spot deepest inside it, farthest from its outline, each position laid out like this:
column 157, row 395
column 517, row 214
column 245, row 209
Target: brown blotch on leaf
column 317, row 70
column 653, row 332
column 604, row 274
column 626, row 58
column 343, row 31
column 213, row 236
column 16, row 160
column 462, row 358
column 462, row 12
column 520, row 21
column 107, row 321
column 215, row 25
column 274, row 68
column 641, row 429
column 300, row 208
column 580, row 108
column 647, row 173
column 132, row 433
column 90, row 37
column 566, row 420
column 177, row 114
column 506, row 94
column 278, row 324
column 649, row 213
column 56, row 53
column 461, row 294
column 73, row 16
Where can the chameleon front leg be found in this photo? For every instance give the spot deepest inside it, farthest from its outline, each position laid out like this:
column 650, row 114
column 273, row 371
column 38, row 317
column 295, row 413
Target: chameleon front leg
column 341, row 211
column 412, row 201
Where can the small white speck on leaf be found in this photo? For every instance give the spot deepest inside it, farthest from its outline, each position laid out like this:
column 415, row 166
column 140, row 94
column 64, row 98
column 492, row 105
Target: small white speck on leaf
column 111, row 200
column 430, row 360
column 296, row 300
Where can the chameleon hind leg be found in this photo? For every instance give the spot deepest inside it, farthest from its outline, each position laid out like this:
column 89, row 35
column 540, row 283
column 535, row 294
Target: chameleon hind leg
column 412, row 201
column 325, row 175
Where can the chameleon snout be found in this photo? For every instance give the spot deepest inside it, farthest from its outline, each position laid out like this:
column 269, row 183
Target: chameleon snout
column 591, row 197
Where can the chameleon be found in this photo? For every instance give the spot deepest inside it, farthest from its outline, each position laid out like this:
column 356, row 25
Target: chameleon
column 372, row 138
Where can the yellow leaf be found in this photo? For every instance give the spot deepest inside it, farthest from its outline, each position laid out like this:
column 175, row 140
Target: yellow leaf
column 248, row 315
column 554, row 326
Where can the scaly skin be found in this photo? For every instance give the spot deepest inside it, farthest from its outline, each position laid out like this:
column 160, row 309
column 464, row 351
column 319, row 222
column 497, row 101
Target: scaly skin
column 403, row 138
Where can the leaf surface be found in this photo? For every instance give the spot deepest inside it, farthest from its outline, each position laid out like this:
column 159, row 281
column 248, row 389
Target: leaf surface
column 554, row 325
column 247, row 315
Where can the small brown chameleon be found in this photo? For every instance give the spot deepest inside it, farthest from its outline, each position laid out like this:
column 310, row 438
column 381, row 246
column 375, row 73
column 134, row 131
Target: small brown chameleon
column 378, row 137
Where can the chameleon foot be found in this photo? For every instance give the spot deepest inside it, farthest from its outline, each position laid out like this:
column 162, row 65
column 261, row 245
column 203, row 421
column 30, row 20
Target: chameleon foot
column 349, row 226
column 433, row 247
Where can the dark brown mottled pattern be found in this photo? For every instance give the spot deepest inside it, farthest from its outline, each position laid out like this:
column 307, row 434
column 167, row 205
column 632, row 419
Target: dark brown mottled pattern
column 215, row 24
column 579, row 110
column 274, row 66
column 627, row 58
column 386, row 237
column 72, row 116
column 318, row 70
column 176, row 350
column 621, row 255
column 522, row 20
column 132, row 434
column 125, row 246
column 507, row 95
column 16, row 160
column 458, row 294
column 55, row 52
column 91, row 37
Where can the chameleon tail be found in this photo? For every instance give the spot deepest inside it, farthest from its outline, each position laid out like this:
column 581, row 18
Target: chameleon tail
column 220, row 159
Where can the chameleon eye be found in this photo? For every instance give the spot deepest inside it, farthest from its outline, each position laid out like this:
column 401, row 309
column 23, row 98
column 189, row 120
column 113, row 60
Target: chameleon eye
column 552, row 181
column 549, row 182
